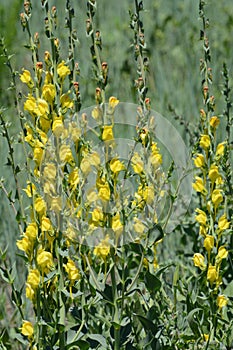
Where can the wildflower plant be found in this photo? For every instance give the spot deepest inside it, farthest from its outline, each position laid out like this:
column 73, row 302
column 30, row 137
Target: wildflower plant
column 97, row 201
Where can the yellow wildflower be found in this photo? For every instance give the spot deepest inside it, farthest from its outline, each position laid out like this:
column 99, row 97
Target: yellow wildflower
column 201, row 217
column 107, row 133
column 102, row 250
column 30, row 190
column 199, row 161
column 33, row 278
column 48, row 93
column 30, row 104
column 40, row 205
column 199, row 261
column 116, row 165
column 209, row 243
column 58, row 127
column 31, row 231
column 205, row 142
column 214, row 122
column 104, row 192
column 217, row 197
column 65, row 154
column 25, row 244
column 212, row 274
column 222, row 301
column 38, row 154
column 117, row 224
column 137, row 163
column 213, row 173
column 56, row 204
column 138, row 226
column 45, row 224
column 97, row 216
column 72, row 271
column 220, row 149
column 63, row 70
column 26, row 78
column 222, row 254
column 198, row 185
column 50, row 171
column 44, row 260
column 223, row 224
column 27, row 329
column 73, row 179
column 113, row 102
column 30, row 293
column 66, row 101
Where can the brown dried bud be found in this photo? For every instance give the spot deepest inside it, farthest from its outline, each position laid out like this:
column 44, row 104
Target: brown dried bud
column 23, row 19
column 27, row 7
column 98, row 96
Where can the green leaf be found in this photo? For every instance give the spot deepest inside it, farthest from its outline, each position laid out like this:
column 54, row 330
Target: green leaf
column 229, row 290
column 82, row 344
column 152, row 282
column 147, row 324
column 99, row 338
column 192, row 321
column 155, row 234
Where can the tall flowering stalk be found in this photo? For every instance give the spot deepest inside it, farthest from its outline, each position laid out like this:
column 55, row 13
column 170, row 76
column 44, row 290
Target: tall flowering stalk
column 212, row 215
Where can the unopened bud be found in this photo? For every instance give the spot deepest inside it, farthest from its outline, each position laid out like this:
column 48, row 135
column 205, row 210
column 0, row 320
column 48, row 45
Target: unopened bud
column 98, row 96
column 27, row 7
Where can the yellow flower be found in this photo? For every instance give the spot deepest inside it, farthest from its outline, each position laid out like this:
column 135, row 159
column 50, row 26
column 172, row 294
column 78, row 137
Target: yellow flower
column 42, row 108
column 96, row 113
column 49, row 92
column 50, row 171
column 201, row 217
column 198, row 185
column 222, row 254
column 199, row 261
column 63, row 70
column 138, row 226
column 107, row 133
column 117, row 224
column 44, row 260
column 209, row 243
column 212, row 274
column 38, row 154
column 30, row 104
column 25, row 244
column 30, row 293
column 56, row 204
column 58, row 127
column 202, row 230
column 102, row 250
column 214, row 122
column 213, row 173
column 116, row 165
column 73, row 179
column 26, row 78
column 217, row 197
column 156, row 159
column 30, row 190
column 146, row 193
column 223, row 224
column 97, row 216
column 94, row 159
column 113, row 102
column 104, row 192
column 40, row 205
column 205, row 142
column 66, row 101
column 31, row 231
column 65, row 154
column 27, row 329
column 46, row 224
column 85, row 165
column 222, row 301
column 72, row 271
column 220, row 149
column 137, row 163
column 199, row 161
column 33, row 278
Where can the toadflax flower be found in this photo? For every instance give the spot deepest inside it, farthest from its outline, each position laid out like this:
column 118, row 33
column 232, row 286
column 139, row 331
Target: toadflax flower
column 223, row 224
column 199, row 261
column 212, row 274
column 199, row 186
column 107, row 134
column 27, row 329
column 222, row 301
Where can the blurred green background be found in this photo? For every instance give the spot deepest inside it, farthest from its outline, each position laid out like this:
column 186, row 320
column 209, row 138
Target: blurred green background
column 172, row 36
